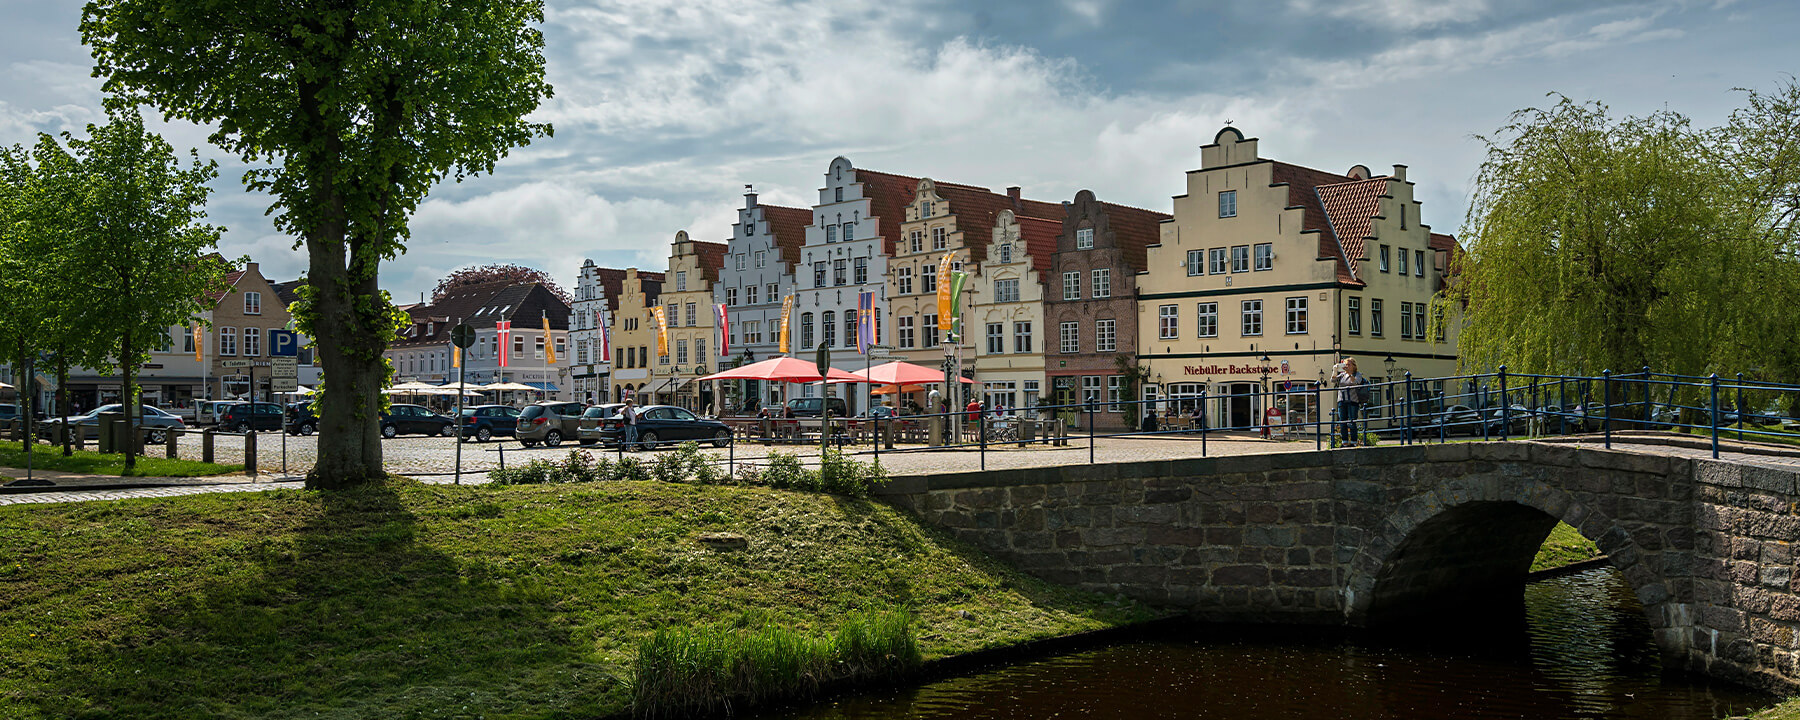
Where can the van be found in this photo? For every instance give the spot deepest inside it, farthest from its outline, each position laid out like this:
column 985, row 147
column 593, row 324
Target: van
column 809, row 407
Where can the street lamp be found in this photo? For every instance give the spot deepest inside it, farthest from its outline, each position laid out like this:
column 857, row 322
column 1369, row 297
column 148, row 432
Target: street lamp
column 1390, row 363
column 1264, row 388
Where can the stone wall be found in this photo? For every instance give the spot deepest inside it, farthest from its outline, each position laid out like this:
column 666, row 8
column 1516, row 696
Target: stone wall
column 1361, row 536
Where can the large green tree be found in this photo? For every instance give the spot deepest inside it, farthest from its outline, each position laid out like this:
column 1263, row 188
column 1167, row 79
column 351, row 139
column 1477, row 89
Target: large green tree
column 134, row 222
column 1598, row 242
column 22, row 274
column 359, row 107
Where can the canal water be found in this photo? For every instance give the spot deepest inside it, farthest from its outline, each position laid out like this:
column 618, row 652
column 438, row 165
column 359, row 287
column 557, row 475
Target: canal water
column 1576, row 646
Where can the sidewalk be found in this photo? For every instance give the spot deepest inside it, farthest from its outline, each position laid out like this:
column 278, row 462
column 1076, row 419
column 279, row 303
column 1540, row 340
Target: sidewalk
column 12, row 481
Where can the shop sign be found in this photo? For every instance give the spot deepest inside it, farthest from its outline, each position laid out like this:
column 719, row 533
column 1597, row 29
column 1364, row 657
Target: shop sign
column 1230, row 369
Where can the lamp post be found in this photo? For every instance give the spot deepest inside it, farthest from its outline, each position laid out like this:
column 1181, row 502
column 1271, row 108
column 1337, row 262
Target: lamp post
column 1263, row 391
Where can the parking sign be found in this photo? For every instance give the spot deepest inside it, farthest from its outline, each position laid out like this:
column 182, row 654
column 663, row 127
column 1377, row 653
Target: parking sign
column 283, row 343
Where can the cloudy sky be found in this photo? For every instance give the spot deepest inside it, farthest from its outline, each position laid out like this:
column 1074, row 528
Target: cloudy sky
column 665, row 110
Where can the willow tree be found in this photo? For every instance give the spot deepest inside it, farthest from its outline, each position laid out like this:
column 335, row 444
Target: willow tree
column 353, row 110
column 1596, row 242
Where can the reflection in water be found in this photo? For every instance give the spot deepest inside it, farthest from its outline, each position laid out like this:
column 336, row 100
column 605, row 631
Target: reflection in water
column 1578, row 648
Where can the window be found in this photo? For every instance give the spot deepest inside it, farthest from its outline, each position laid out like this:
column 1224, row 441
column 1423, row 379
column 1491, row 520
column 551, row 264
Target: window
column 752, row 331
column 1228, row 204
column 1215, row 261
column 681, row 281
column 1006, row 252
column 918, row 241
column 1106, row 335
column 1070, row 336
column 740, row 260
column 187, row 341
column 828, row 328
column 1240, row 258
column 252, row 342
column 1252, row 312
column 1196, row 262
column 1437, row 315
column 849, row 329
column 1208, row 314
column 1353, row 315
column 692, row 315
column 1031, row 393
column 840, row 271
column 1265, row 256
column 1084, row 239
column 681, row 356
column 860, row 270
column 939, row 238
column 1375, row 317
column 830, row 233
column 1419, row 321
column 1102, row 283
column 819, row 274
column 837, row 194
column 699, row 350
column 928, row 278
column 1090, row 388
column 996, row 338
column 906, row 331
column 581, row 353
column 1022, row 337
column 730, row 297
column 750, row 295
column 1006, row 290
column 1384, row 258
column 849, row 231
column 252, row 303
column 1402, row 260
column 1168, row 318
column 773, row 292
column 1296, row 316
column 1072, row 285
column 227, row 340
column 806, row 330
column 518, row 349
column 905, row 281
column 1406, row 332
column 761, row 258
column 1115, row 392
column 1419, row 263
column 931, row 330
column 925, row 209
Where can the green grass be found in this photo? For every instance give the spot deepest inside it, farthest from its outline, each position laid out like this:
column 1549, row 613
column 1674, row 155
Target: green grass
column 413, row 601
column 1565, row 546
column 1789, row 710
column 88, row 462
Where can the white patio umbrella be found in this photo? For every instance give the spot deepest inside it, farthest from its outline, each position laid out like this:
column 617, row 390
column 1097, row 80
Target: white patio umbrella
column 4, row 386
column 510, row 386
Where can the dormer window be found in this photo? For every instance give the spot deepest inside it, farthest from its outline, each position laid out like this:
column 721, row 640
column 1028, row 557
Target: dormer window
column 1084, row 239
column 1006, row 253
column 925, row 209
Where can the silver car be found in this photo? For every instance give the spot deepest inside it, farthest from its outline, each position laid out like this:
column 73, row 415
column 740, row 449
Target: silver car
column 89, row 422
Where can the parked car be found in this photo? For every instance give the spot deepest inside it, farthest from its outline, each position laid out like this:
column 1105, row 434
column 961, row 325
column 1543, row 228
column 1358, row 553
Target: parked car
column 207, row 412
column 88, row 423
column 588, row 429
column 1518, row 419
column 401, row 419
column 300, row 419
column 246, row 417
column 1458, row 419
column 549, row 423
column 8, row 412
column 483, row 422
column 810, row 407
column 660, row 425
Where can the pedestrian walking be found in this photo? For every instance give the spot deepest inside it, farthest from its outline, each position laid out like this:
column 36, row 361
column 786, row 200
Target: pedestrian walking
column 630, row 414
column 1353, row 394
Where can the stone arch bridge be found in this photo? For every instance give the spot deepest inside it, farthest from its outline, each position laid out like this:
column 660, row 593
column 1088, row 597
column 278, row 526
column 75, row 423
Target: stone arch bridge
column 1362, row 536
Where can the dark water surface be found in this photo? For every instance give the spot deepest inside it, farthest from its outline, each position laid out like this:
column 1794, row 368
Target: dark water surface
column 1576, row 647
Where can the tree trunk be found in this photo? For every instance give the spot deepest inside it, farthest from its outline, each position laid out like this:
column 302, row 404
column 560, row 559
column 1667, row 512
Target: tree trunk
column 349, row 351
column 128, row 398
column 62, row 401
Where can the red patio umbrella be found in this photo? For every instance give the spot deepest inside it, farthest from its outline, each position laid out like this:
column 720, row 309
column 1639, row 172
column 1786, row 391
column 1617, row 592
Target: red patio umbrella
column 903, row 373
column 783, row 369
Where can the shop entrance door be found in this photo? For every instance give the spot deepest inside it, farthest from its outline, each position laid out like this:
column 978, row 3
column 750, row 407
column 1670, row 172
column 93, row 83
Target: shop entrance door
column 1240, row 405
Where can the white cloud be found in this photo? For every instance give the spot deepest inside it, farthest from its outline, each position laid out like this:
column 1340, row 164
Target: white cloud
column 1397, row 14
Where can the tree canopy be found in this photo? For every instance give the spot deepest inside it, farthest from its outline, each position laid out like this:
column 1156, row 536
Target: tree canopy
column 350, row 112
column 1598, row 242
column 482, row 274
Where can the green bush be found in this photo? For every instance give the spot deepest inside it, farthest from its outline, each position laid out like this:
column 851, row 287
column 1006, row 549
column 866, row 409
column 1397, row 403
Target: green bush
column 786, row 472
column 841, row 475
column 579, row 466
column 682, row 672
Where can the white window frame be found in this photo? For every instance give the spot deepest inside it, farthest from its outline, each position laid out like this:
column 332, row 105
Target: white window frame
column 252, row 303
column 906, row 331
column 1218, row 261
column 1069, row 338
column 252, row 346
column 1353, row 315
column 1206, row 322
column 1406, row 328
column 1102, row 281
column 1168, row 322
column 1106, row 335
column 905, row 279
column 1262, row 256
column 1072, row 285
column 1375, row 324
column 1006, row 290
column 1240, row 258
column 1196, row 262
column 1022, row 337
column 1297, row 315
column 1084, row 238
column 1228, row 203
column 1252, row 318
column 228, row 341
column 996, row 338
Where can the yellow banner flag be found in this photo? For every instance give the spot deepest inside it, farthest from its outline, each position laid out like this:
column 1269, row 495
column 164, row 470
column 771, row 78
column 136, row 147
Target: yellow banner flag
column 943, row 294
column 549, row 344
column 662, row 330
column 787, row 309
column 199, row 342
column 455, row 356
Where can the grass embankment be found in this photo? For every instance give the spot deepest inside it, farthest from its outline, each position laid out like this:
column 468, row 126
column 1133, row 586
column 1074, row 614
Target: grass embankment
column 459, row 602
column 1789, row 710
column 1565, row 546
column 88, row 462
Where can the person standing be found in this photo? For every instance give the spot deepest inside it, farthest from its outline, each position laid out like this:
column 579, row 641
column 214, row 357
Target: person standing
column 1353, row 394
column 630, row 414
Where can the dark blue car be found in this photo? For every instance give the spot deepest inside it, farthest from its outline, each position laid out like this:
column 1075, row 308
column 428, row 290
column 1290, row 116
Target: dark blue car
column 483, row 422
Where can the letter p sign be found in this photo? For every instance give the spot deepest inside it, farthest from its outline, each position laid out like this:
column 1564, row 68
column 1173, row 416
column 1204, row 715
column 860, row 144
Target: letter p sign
column 283, row 343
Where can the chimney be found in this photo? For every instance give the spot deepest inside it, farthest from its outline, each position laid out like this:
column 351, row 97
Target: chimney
column 1012, row 193
column 1400, row 173
column 250, row 269
column 749, row 196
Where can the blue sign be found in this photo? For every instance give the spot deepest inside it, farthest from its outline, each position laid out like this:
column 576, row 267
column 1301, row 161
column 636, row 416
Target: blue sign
column 284, row 343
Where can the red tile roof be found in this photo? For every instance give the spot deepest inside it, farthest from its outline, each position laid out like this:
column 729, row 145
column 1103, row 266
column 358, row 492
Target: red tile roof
column 977, row 209
column 1040, row 241
column 712, row 259
column 612, row 282
column 1304, row 191
column 1452, row 252
column 888, row 194
column 788, row 225
column 1133, row 230
column 231, row 281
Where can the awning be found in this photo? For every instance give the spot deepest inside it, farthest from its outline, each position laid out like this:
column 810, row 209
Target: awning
column 544, row 386
column 666, row 385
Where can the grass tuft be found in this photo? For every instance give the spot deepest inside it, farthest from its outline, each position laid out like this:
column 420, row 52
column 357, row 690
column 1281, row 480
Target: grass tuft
column 1564, row 546
column 89, row 462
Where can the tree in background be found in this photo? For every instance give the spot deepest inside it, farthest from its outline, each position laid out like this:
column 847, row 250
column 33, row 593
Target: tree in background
column 1597, row 243
column 22, row 314
column 360, row 107
column 483, row 274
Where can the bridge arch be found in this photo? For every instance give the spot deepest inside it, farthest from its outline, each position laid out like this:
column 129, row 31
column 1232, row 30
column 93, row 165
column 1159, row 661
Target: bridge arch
column 1473, row 535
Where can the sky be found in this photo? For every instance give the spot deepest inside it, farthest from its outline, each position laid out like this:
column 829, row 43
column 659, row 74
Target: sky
column 664, row 111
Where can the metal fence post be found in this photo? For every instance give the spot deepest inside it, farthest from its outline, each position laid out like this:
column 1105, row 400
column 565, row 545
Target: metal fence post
column 1713, row 380
column 1409, row 408
column 250, row 451
column 1606, row 400
column 1205, row 421
column 1505, row 407
column 1738, row 406
column 1649, row 419
column 1090, row 414
column 878, row 436
column 1318, row 420
column 981, row 435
